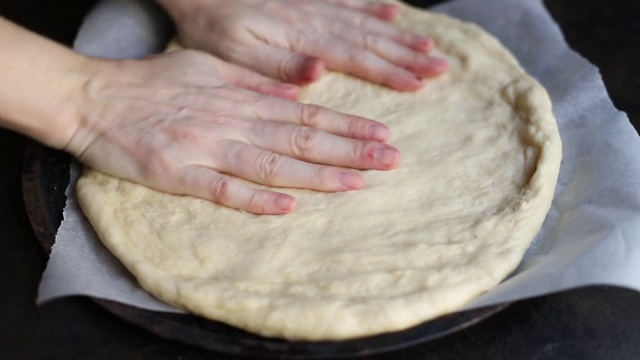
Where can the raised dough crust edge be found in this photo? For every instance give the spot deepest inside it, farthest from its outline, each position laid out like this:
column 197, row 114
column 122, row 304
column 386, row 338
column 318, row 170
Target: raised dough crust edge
column 307, row 314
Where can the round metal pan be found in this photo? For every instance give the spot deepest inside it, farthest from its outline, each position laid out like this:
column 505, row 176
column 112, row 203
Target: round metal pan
column 44, row 180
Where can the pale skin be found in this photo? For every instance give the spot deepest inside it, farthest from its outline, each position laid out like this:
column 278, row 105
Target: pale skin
column 295, row 40
column 193, row 124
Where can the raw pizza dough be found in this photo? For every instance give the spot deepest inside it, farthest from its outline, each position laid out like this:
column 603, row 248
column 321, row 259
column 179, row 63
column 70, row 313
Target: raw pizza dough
column 481, row 155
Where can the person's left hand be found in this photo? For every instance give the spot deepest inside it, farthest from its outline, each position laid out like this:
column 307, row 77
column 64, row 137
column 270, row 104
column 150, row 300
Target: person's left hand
column 293, row 40
column 191, row 124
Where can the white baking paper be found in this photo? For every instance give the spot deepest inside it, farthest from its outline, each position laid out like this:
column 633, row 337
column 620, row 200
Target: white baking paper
column 591, row 235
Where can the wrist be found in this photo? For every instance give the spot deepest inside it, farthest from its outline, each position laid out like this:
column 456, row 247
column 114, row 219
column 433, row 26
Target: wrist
column 66, row 111
column 70, row 113
column 47, row 109
column 84, row 114
column 41, row 85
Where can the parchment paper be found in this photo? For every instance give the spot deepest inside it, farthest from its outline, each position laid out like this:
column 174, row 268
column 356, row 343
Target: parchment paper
column 591, row 235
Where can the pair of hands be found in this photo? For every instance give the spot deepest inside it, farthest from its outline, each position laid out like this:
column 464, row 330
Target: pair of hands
column 194, row 124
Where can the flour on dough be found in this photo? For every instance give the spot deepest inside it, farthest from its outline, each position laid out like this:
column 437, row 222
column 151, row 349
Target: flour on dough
column 481, row 155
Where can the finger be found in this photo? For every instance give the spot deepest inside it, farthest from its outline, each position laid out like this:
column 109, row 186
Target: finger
column 390, row 50
column 382, row 11
column 252, row 80
column 231, row 103
column 269, row 168
column 283, row 64
column 320, row 147
column 342, row 56
column 368, row 23
column 321, row 118
column 208, row 184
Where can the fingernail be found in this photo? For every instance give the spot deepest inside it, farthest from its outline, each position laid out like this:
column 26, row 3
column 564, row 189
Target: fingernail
column 387, row 156
column 351, row 180
column 310, row 70
column 284, row 202
column 405, row 81
column 378, row 132
column 435, row 61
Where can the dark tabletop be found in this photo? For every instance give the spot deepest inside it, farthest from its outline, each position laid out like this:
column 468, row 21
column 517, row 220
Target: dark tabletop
column 588, row 323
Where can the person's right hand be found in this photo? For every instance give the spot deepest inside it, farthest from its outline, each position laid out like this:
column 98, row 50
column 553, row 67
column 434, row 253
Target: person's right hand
column 189, row 123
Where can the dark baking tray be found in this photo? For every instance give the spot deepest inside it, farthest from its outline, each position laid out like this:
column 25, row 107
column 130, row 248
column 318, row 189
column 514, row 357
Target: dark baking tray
column 44, row 180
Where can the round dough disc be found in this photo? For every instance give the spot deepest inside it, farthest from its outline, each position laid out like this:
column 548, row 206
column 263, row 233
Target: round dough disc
column 480, row 159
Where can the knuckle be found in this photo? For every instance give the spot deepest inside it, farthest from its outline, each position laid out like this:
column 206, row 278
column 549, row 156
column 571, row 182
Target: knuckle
column 369, row 41
column 404, row 36
column 297, row 39
column 323, row 176
column 359, row 60
column 309, row 115
column 267, row 166
column 355, row 127
column 302, row 141
column 256, row 203
column 183, row 111
column 158, row 167
column 363, row 20
column 225, row 124
column 219, row 189
column 358, row 150
column 158, row 171
column 221, row 118
column 185, row 136
column 287, row 67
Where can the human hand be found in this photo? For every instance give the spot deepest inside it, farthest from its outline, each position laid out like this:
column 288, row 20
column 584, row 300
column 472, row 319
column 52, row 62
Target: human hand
column 292, row 40
column 189, row 123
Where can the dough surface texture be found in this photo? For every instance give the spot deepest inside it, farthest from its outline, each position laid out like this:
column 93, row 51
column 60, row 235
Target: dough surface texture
column 480, row 159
